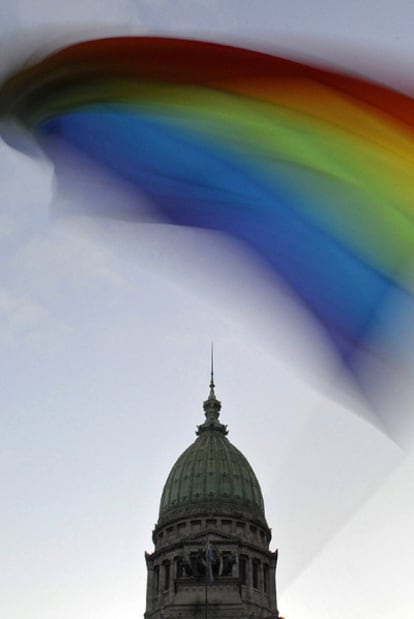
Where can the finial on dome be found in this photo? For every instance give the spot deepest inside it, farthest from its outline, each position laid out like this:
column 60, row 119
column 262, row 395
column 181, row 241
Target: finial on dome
column 212, row 406
column 212, row 394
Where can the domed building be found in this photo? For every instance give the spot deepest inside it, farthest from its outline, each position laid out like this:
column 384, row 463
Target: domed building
column 211, row 557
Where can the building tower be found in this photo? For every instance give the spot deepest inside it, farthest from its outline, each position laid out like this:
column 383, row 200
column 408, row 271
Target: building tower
column 211, row 557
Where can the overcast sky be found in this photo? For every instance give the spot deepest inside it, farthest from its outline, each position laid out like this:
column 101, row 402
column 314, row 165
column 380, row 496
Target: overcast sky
column 105, row 330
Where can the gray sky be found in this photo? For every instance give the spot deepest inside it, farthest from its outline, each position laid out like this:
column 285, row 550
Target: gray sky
column 105, row 330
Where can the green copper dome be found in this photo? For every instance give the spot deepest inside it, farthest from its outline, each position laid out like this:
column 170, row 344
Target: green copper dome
column 211, row 475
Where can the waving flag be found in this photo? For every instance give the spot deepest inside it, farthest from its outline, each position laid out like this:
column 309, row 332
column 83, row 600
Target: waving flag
column 209, row 564
column 310, row 168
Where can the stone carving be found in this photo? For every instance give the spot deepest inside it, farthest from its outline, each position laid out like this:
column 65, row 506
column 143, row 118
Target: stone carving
column 184, row 567
column 221, row 563
column 215, row 561
column 227, row 564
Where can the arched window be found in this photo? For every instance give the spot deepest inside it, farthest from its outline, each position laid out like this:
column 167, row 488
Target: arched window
column 243, row 570
column 265, row 578
column 166, row 575
column 156, row 579
column 255, row 574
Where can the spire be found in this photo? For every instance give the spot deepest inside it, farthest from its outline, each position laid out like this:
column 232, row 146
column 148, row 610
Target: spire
column 212, row 394
column 212, row 406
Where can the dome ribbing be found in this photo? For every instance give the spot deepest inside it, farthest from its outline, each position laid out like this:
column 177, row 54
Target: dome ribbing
column 211, row 474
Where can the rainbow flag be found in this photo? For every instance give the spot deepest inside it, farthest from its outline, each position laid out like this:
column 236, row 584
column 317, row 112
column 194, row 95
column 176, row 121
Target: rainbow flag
column 310, row 168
